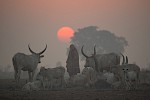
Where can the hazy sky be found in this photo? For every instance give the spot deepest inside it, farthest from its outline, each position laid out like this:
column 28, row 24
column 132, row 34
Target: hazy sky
column 37, row 22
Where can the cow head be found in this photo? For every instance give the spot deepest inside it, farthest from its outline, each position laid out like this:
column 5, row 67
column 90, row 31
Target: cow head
column 37, row 56
column 90, row 61
column 42, row 71
column 125, row 70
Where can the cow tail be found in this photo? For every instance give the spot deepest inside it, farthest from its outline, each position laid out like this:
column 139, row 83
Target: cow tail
column 14, row 64
column 96, row 64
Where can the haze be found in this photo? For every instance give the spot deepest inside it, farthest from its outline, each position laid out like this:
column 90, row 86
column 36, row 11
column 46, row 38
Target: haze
column 37, row 22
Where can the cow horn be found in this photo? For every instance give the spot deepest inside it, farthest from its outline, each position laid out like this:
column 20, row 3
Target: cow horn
column 94, row 50
column 83, row 52
column 123, row 62
column 30, row 49
column 126, row 60
column 43, row 50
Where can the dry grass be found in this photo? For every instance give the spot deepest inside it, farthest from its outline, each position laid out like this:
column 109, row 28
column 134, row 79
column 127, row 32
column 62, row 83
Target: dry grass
column 10, row 91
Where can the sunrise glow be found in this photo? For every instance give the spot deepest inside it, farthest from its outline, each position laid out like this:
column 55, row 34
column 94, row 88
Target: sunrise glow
column 65, row 33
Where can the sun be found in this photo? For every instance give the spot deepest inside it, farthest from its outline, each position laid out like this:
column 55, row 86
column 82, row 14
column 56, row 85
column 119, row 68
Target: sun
column 65, row 33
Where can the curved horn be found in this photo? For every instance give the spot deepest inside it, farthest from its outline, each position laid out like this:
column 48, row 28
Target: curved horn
column 94, row 51
column 83, row 52
column 123, row 62
column 126, row 60
column 30, row 49
column 43, row 50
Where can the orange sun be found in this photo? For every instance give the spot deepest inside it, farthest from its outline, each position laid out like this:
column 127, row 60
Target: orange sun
column 65, row 33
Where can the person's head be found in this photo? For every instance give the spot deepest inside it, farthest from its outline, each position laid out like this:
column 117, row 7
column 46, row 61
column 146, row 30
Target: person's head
column 72, row 46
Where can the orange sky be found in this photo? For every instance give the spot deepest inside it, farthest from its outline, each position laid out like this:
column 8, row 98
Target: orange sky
column 37, row 22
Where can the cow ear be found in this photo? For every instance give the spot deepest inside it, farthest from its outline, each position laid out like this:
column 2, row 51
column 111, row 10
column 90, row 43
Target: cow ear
column 41, row 56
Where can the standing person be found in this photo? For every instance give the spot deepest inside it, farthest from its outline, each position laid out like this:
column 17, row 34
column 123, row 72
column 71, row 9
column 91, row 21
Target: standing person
column 72, row 62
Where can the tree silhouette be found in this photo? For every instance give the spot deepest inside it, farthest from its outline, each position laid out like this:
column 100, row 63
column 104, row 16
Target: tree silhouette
column 104, row 40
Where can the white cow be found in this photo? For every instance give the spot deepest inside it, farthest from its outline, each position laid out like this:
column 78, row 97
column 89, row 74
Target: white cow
column 131, row 79
column 78, row 80
column 53, row 77
column 127, row 73
column 110, row 77
column 25, row 62
column 32, row 86
column 91, row 75
column 87, row 78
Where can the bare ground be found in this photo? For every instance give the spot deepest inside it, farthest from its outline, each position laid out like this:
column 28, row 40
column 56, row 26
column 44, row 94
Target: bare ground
column 10, row 91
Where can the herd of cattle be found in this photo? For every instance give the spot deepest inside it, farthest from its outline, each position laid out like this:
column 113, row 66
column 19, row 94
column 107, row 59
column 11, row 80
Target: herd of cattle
column 98, row 67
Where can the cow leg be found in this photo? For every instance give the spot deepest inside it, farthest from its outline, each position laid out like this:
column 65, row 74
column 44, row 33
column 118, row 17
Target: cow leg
column 60, row 83
column 18, row 75
column 30, row 76
column 63, row 83
column 51, row 83
column 129, row 84
column 43, row 84
column 15, row 75
column 137, row 80
column 126, row 85
column 134, row 84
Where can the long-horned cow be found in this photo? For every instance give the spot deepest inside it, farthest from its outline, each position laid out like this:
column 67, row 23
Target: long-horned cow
column 101, row 62
column 25, row 62
column 54, row 76
column 127, row 73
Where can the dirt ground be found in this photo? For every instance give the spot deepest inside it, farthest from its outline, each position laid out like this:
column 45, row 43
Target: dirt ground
column 9, row 91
